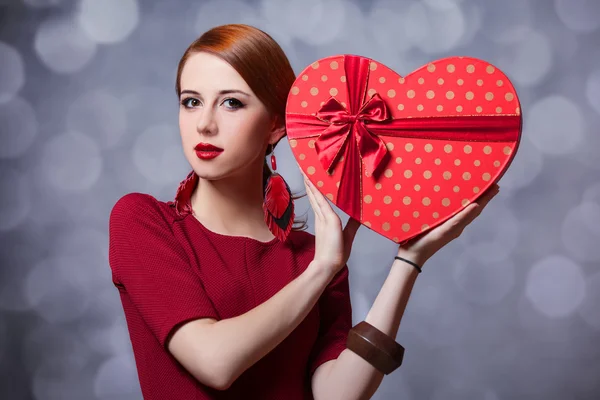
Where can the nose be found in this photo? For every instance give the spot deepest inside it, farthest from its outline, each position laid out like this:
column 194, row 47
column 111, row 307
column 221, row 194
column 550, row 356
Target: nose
column 206, row 123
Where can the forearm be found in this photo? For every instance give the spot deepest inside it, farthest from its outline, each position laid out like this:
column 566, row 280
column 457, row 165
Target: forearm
column 350, row 376
column 243, row 340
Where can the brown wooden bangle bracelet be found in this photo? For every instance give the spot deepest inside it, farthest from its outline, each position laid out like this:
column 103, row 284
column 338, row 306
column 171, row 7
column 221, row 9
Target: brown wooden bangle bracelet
column 377, row 348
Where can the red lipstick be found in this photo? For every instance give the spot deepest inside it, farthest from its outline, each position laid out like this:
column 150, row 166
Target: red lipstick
column 207, row 151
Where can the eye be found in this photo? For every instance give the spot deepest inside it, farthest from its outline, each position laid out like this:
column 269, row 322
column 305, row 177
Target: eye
column 190, row 102
column 233, row 103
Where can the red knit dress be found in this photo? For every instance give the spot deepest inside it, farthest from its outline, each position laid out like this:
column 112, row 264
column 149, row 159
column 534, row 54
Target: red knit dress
column 170, row 269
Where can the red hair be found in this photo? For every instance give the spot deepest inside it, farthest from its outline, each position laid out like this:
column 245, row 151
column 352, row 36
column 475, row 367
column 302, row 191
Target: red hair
column 259, row 60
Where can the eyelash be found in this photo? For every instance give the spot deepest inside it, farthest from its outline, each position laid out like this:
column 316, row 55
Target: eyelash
column 185, row 102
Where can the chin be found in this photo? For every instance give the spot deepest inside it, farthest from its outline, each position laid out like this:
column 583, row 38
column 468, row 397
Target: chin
column 212, row 170
column 208, row 173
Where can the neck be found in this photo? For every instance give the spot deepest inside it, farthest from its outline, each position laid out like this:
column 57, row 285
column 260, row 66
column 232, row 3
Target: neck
column 232, row 205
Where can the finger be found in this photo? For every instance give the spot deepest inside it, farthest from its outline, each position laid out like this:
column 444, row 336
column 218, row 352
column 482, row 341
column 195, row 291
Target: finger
column 311, row 198
column 313, row 201
column 462, row 217
column 491, row 191
column 487, row 196
column 474, row 209
column 324, row 206
column 460, row 220
column 465, row 216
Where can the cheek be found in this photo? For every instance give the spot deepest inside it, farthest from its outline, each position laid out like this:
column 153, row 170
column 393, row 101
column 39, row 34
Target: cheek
column 255, row 129
column 246, row 127
column 186, row 126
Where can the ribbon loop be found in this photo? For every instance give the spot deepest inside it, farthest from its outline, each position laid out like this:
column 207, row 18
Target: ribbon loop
column 371, row 147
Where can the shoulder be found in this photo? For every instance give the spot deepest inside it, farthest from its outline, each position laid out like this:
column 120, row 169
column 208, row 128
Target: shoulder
column 138, row 207
column 302, row 240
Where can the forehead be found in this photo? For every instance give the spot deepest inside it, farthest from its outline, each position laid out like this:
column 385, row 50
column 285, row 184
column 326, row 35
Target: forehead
column 204, row 72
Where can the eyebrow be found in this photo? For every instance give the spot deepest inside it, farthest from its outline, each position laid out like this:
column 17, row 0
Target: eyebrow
column 221, row 92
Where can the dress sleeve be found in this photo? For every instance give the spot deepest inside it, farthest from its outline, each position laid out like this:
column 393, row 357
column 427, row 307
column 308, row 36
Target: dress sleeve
column 152, row 268
column 335, row 321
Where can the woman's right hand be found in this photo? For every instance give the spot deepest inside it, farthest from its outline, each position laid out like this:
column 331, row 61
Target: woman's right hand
column 420, row 248
column 332, row 244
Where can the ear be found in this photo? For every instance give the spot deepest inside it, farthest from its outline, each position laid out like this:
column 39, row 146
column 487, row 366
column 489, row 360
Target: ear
column 277, row 131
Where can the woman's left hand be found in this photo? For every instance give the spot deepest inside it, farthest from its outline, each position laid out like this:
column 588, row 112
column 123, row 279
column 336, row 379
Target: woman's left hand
column 333, row 243
column 419, row 249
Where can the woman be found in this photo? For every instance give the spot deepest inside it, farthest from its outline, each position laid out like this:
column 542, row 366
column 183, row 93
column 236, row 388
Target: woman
column 217, row 306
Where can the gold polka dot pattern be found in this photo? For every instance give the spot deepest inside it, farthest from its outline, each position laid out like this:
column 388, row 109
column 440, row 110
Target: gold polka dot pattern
column 426, row 180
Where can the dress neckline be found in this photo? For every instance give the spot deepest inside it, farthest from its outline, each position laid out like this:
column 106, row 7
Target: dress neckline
column 183, row 207
column 234, row 237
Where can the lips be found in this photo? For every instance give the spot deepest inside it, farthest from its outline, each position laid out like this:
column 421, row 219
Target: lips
column 207, row 147
column 207, row 151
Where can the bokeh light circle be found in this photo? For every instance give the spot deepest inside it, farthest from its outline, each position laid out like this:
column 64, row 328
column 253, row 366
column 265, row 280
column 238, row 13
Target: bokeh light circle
column 555, row 286
column 157, row 153
column 435, row 30
column 555, row 125
column 116, row 377
column 524, row 168
column 19, row 127
column 99, row 115
column 15, row 198
column 54, row 293
column 62, row 46
column 589, row 306
column 579, row 15
column 43, row 3
column 12, row 73
column 108, row 21
column 526, row 55
column 71, row 162
column 581, row 231
column 592, row 90
column 315, row 22
column 214, row 13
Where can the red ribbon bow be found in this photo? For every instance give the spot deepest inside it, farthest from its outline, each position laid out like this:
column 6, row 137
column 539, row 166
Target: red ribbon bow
column 365, row 122
column 343, row 124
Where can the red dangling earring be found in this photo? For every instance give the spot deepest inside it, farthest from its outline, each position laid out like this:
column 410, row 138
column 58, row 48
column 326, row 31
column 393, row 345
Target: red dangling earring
column 278, row 204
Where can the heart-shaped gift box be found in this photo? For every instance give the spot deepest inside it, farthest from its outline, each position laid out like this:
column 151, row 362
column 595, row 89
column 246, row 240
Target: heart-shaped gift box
column 402, row 154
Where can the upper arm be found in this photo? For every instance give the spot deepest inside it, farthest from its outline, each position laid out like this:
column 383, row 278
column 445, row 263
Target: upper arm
column 154, row 270
column 319, row 378
column 189, row 345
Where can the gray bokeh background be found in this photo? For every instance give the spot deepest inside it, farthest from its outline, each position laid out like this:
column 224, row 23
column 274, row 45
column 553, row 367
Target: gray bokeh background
column 88, row 112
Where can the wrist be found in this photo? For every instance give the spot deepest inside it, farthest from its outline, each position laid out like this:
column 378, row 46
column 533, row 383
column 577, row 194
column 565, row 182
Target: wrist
column 320, row 272
column 415, row 257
